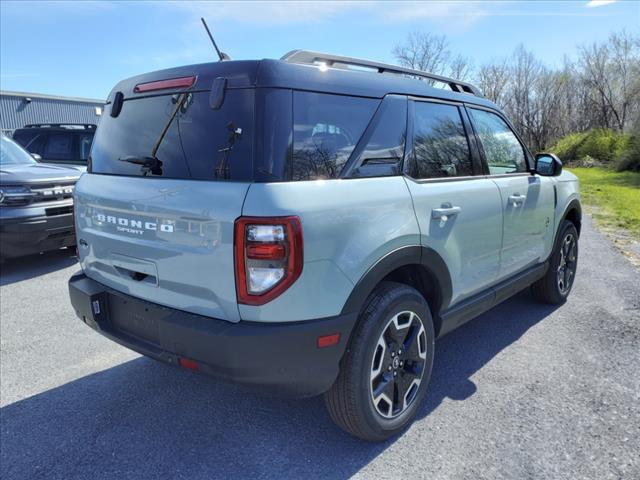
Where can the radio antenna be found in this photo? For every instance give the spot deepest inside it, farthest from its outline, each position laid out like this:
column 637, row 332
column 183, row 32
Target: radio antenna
column 223, row 56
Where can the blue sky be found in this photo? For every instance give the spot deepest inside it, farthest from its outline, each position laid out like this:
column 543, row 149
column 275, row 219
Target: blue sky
column 83, row 48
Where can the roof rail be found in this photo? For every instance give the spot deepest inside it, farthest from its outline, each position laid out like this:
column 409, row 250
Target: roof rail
column 316, row 58
column 86, row 126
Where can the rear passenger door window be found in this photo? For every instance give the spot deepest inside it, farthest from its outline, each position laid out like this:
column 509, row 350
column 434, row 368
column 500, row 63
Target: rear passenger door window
column 440, row 144
column 502, row 150
column 59, row 146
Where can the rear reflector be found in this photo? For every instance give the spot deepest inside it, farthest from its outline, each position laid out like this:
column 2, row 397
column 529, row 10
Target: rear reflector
column 186, row 363
column 269, row 251
column 182, row 82
column 328, row 340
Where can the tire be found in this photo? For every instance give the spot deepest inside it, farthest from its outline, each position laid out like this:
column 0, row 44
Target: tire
column 375, row 365
column 555, row 286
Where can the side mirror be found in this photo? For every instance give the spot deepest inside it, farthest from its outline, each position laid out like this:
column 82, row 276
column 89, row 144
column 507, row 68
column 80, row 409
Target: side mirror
column 548, row 165
column 37, row 157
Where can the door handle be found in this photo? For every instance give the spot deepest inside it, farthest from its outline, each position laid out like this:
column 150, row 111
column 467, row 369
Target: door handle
column 445, row 212
column 517, row 199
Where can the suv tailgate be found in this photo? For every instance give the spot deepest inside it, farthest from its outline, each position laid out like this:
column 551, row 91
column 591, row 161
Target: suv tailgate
column 168, row 241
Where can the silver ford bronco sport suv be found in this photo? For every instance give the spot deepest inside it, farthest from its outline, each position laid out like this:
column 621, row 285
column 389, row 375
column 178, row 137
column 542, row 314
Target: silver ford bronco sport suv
column 312, row 225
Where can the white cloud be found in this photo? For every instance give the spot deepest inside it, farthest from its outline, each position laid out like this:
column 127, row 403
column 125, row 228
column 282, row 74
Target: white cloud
column 454, row 14
column 269, row 13
column 305, row 12
column 465, row 13
column 599, row 3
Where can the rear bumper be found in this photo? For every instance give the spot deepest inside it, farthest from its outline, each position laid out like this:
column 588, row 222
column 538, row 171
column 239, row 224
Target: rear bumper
column 283, row 357
column 36, row 233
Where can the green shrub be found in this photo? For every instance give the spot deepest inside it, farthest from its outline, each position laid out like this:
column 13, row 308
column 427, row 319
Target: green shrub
column 599, row 145
column 567, row 147
column 630, row 158
column 604, row 145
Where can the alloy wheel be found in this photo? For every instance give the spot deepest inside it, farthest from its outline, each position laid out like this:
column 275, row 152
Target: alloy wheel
column 566, row 270
column 398, row 364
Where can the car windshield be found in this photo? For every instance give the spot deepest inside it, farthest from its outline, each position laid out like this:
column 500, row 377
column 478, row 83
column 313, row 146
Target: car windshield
column 13, row 154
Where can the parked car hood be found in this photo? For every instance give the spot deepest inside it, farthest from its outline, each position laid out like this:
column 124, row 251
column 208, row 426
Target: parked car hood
column 37, row 173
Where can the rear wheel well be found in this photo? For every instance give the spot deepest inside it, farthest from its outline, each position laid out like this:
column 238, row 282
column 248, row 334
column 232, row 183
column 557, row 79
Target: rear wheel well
column 425, row 282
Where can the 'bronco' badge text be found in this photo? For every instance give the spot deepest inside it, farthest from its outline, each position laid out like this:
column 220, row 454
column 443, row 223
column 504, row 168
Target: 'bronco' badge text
column 130, row 225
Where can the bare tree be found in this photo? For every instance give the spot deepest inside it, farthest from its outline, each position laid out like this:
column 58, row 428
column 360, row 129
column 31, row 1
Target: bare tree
column 424, row 51
column 460, row 68
column 611, row 71
column 493, row 80
column 430, row 53
column 524, row 71
column 600, row 89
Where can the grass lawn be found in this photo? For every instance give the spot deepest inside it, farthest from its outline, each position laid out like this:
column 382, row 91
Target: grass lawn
column 614, row 197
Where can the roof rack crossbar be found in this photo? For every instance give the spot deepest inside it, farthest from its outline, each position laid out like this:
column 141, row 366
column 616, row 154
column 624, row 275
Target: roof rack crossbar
column 314, row 58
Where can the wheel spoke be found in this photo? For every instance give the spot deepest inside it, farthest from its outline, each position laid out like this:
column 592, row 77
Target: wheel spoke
column 414, row 368
column 384, row 394
column 392, row 335
column 407, row 388
column 385, row 386
column 410, row 342
column 567, row 245
column 402, row 385
column 416, row 349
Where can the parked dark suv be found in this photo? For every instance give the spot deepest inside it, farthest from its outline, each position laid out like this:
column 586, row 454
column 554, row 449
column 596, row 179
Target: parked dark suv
column 66, row 144
column 36, row 204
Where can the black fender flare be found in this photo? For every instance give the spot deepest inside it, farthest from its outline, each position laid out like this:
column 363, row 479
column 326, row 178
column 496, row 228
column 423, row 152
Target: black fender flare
column 426, row 257
column 573, row 205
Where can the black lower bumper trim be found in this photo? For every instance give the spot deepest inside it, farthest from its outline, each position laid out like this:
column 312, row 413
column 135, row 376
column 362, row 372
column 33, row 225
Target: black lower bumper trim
column 36, row 234
column 283, row 357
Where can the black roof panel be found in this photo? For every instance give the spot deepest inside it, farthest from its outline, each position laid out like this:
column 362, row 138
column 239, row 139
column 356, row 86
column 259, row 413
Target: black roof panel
column 280, row 74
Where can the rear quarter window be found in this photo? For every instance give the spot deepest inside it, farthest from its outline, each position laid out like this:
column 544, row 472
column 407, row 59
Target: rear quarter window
column 326, row 128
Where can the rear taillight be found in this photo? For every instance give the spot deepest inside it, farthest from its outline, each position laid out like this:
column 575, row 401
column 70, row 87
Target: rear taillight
column 269, row 257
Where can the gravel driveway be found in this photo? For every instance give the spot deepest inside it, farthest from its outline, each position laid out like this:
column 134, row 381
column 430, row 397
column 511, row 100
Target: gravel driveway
column 524, row 391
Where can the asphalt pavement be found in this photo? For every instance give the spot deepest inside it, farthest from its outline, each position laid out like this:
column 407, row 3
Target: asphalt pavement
column 524, row 391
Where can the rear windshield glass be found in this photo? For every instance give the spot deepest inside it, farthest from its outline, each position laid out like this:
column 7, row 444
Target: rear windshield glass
column 178, row 136
column 326, row 128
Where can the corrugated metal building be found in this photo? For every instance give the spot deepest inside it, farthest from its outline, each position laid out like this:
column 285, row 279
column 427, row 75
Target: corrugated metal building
column 18, row 109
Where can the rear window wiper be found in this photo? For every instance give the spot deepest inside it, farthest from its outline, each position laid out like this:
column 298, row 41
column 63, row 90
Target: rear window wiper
column 148, row 164
column 151, row 163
